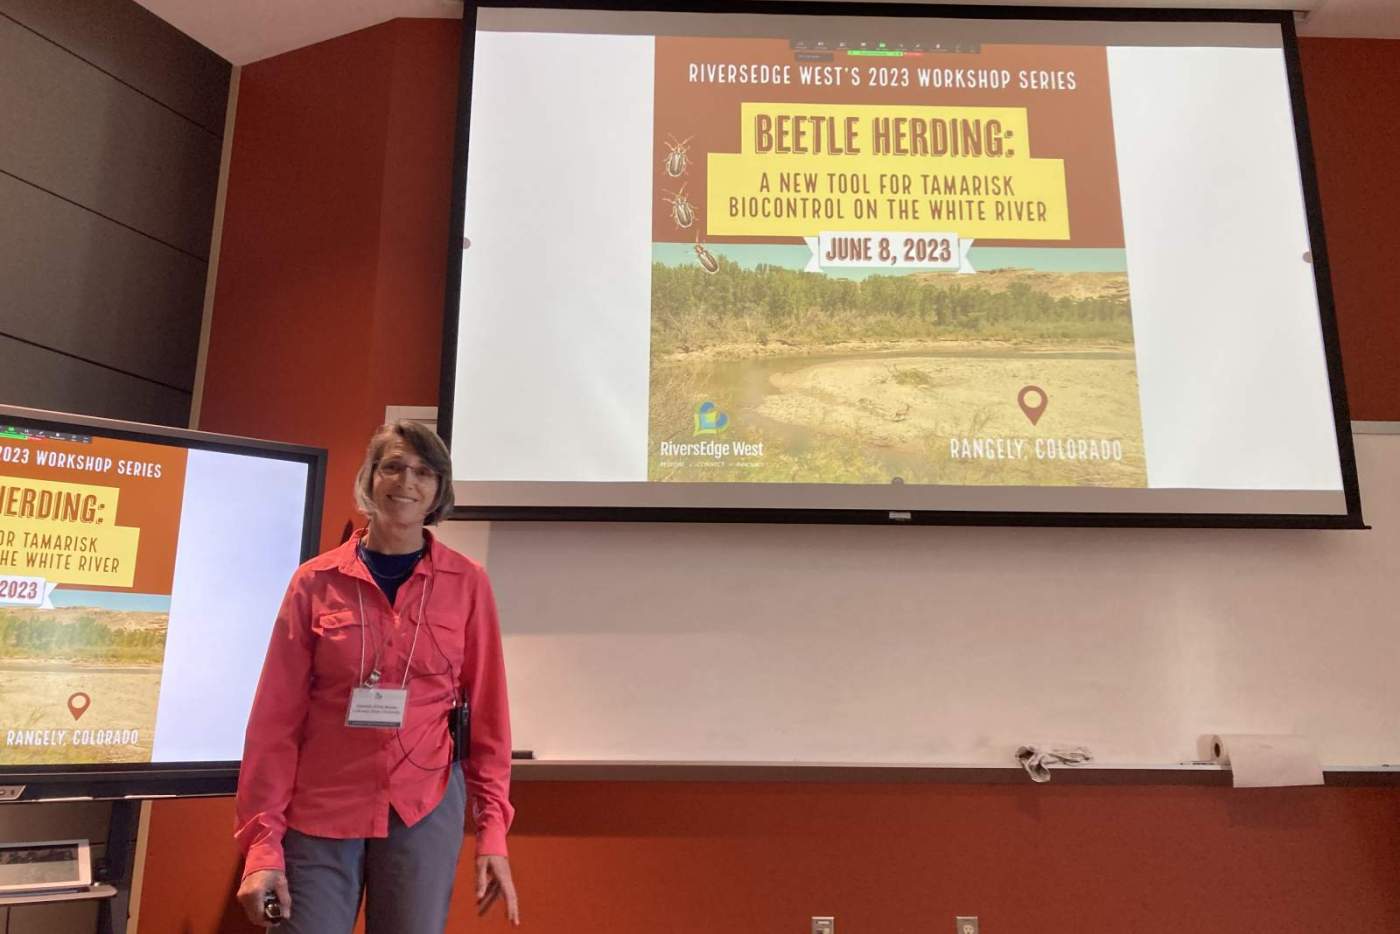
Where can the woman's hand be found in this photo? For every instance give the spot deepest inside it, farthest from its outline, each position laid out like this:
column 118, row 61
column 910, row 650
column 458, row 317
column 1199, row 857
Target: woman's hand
column 492, row 882
column 255, row 884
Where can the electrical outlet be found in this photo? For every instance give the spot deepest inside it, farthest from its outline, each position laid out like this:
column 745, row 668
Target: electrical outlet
column 823, row 925
column 966, row 924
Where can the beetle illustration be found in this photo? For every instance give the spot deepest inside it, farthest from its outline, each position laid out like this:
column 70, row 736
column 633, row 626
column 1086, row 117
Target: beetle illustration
column 677, row 160
column 707, row 259
column 681, row 210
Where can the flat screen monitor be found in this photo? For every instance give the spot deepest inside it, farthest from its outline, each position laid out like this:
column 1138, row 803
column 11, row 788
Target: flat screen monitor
column 141, row 570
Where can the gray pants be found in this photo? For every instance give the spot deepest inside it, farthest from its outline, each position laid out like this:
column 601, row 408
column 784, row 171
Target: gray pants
column 406, row 877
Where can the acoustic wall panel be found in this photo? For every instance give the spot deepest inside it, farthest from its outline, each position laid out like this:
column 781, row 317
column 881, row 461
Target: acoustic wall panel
column 82, row 285
column 78, row 134
column 38, row 377
column 111, row 129
column 136, row 47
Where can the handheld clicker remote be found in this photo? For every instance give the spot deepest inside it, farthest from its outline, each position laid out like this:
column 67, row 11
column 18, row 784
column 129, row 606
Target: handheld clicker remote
column 272, row 908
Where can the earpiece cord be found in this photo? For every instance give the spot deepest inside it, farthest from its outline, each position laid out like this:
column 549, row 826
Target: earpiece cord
column 408, row 676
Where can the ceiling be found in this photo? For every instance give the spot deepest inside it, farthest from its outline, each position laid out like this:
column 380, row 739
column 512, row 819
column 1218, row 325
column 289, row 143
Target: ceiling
column 250, row 30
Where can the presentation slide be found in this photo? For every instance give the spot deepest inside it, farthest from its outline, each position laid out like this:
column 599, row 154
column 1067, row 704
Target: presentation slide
column 829, row 262
column 138, row 586
column 844, row 314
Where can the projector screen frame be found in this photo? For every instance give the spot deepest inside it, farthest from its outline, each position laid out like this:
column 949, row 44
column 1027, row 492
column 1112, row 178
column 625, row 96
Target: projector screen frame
column 157, row 779
column 1321, row 269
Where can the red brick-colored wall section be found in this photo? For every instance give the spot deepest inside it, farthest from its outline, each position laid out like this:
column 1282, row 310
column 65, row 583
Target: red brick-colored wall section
column 1352, row 88
column 329, row 300
column 692, row 858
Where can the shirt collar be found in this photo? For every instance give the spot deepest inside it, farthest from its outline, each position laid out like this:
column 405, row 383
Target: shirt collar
column 436, row 557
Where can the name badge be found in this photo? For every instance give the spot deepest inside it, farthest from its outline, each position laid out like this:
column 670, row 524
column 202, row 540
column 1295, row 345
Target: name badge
column 377, row 708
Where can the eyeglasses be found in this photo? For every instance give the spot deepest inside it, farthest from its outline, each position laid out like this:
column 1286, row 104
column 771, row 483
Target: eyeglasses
column 394, row 469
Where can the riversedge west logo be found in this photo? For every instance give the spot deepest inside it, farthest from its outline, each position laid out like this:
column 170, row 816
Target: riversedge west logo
column 714, row 450
column 709, row 420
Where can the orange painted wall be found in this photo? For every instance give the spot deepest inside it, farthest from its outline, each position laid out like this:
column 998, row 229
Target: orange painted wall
column 328, row 307
column 329, row 300
column 1353, row 88
column 689, row 858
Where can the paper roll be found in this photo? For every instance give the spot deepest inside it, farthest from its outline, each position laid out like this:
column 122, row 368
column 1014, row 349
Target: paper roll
column 1264, row 761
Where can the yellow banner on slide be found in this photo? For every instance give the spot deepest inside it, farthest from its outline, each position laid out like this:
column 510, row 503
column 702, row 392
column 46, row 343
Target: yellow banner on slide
column 805, row 168
column 65, row 533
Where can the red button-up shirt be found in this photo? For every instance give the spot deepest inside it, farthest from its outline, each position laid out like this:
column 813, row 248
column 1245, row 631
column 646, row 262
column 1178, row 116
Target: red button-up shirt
column 304, row 768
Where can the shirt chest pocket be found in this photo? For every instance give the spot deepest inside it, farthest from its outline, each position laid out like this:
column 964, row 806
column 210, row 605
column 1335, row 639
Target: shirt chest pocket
column 339, row 643
column 446, row 634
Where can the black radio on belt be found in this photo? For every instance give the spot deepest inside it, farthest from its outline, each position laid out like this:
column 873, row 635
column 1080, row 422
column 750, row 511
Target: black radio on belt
column 459, row 727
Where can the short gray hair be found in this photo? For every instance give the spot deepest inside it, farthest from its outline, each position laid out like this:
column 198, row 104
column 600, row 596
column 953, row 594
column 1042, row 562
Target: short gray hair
column 424, row 442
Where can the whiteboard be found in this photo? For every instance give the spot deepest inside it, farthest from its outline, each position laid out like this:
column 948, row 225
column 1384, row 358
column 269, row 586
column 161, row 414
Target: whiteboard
column 948, row 646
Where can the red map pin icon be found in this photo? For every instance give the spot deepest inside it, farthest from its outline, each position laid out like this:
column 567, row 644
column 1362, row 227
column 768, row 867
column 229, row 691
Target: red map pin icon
column 78, row 704
column 1034, row 409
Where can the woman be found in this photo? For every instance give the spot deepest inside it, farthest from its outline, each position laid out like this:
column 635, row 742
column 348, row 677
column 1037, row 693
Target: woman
column 349, row 782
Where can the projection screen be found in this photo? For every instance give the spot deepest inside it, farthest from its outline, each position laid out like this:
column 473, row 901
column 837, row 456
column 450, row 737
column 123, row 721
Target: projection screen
column 1044, row 266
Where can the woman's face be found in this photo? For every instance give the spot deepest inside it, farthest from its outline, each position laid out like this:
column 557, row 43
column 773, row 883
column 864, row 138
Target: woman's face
column 404, row 487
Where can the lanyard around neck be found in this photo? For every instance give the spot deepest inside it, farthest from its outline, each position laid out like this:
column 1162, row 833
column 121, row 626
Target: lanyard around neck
column 373, row 678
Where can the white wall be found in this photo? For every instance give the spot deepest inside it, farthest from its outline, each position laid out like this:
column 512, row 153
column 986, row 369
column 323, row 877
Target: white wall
column 948, row 645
